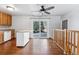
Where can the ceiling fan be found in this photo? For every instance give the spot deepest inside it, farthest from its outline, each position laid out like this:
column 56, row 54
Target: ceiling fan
column 45, row 10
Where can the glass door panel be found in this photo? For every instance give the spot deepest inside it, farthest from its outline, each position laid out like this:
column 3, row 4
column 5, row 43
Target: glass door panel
column 43, row 29
column 40, row 29
column 36, row 30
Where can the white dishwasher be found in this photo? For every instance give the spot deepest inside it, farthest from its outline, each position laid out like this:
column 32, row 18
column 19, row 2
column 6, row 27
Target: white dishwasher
column 7, row 35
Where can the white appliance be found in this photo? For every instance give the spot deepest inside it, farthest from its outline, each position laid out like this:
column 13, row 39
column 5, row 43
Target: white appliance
column 7, row 35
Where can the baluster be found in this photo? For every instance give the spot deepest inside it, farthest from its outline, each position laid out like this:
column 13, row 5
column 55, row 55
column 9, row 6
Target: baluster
column 71, row 42
column 66, row 42
column 74, row 43
column 78, row 45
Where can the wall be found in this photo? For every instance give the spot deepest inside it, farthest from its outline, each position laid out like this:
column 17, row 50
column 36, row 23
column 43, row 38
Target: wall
column 73, row 19
column 54, row 23
column 25, row 23
column 21, row 23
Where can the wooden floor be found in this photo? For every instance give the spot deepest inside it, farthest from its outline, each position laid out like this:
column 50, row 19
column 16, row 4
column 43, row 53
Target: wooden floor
column 34, row 47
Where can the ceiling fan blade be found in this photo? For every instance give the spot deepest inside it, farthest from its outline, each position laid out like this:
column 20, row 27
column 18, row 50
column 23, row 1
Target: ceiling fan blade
column 47, row 12
column 49, row 8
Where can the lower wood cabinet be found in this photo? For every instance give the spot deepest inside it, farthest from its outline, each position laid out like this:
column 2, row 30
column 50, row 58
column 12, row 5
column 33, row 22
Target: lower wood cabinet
column 12, row 33
column 1, row 37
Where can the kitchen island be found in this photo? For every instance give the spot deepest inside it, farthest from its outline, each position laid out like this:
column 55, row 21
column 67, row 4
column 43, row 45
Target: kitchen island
column 22, row 38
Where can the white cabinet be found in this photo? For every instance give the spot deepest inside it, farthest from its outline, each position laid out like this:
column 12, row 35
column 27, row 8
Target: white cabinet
column 7, row 35
column 22, row 38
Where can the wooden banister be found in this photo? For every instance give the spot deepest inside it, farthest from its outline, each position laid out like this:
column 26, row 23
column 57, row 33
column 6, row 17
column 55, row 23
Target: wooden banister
column 67, row 40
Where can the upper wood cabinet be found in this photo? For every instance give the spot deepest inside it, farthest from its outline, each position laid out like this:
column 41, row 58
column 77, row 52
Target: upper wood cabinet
column 5, row 19
column 9, row 20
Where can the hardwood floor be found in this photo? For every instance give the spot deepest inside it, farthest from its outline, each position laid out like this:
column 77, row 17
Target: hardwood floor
column 34, row 47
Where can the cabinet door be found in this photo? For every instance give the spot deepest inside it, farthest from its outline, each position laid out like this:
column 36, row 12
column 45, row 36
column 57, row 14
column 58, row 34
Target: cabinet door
column 1, row 37
column 1, row 18
column 9, row 20
column 12, row 33
column 4, row 19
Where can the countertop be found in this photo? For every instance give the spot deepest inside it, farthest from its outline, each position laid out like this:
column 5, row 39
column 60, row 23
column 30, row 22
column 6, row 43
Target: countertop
column 6, row 29
column 22, row 31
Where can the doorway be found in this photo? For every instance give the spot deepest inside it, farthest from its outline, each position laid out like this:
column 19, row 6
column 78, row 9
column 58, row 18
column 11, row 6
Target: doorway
column 65, row 24
column 40, row 29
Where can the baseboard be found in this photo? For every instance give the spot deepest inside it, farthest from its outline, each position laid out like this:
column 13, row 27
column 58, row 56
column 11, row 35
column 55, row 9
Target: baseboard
column 39, row 38
column 7, row 40
column 23, row 46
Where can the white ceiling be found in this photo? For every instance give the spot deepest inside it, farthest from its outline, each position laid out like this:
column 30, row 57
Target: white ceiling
column 30, row 9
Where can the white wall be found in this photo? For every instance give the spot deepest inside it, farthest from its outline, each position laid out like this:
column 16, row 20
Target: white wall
column 20, row 23
column 54, row 23
column 73, row 19
column 25, row 23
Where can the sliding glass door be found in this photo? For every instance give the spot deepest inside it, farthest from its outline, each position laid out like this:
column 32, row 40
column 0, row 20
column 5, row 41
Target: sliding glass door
column 40, row 29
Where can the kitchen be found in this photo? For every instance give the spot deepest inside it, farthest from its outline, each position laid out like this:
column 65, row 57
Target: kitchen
column 6, row 32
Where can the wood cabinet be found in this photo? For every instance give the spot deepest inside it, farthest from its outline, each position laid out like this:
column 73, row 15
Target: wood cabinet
column 12, row 33
column 9, row 20
column 1, row 37
column 5, row 19
column 0, row 18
